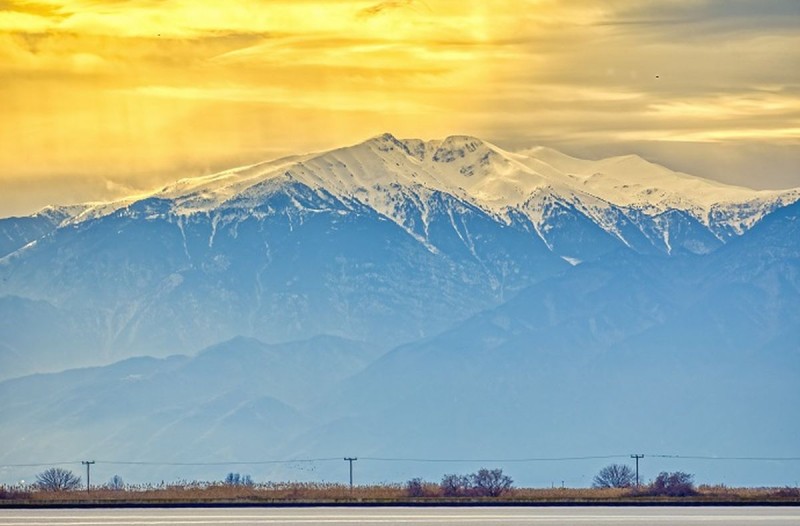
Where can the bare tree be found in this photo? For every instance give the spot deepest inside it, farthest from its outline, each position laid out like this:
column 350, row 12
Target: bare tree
column 57, row 479
column 490, row 483
column 614, row 476
column 116, row 483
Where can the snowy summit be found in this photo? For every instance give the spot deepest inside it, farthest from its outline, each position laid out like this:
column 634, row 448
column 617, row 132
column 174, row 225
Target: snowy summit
column 392, row 176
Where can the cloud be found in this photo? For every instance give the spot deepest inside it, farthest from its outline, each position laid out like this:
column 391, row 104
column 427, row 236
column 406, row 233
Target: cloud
column 383, row 7
column 23, row 22
column 152, row 86
column 705, row 19
column 283, row 97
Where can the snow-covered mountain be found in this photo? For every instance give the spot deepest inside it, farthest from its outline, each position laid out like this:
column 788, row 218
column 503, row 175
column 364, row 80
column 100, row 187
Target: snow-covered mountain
column 406, row 292
column 16, row 232
column 634, row 201
column 385, row 241
column 640, row 204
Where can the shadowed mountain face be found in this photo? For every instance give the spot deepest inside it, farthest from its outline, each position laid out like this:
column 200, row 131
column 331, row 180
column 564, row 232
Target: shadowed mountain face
column 439, row 299
column 238, row 399
column 144, row 281
column 387, row 241
column 16, row 232
column 692, row 356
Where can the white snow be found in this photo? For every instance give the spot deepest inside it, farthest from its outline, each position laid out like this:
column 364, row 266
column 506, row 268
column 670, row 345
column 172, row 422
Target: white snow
column 385, row 174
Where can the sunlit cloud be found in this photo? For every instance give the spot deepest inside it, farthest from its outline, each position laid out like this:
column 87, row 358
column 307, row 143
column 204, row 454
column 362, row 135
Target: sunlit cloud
column 718, row 135
column 25, row 22
column 143, row 91
column 281, row 97
column 728, row 106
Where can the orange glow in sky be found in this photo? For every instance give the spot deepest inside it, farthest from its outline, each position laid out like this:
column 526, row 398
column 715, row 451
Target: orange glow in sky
column 103, row 98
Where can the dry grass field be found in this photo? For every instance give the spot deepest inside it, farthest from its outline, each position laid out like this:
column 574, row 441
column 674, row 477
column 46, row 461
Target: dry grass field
column 210, row 493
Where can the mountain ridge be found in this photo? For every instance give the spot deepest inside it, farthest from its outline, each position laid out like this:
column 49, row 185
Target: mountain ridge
column 692, row 356
column 519, row 337
column 386, row 173
column 387, row 241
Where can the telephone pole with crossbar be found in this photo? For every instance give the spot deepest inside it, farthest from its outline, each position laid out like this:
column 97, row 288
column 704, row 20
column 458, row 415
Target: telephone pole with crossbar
column 351, row 460
column 88, row 464
column 637, row 457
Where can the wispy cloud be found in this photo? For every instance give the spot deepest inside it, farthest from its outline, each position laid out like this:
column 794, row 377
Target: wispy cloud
column 141, row 86
column 389, row 6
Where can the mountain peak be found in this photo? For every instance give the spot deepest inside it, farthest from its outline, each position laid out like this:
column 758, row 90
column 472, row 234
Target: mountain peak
column 457, row 147
column 383, row 138
column 61, row 213
column 462, row 141
column 390, row 175
column 385, row 142
column 445, row 150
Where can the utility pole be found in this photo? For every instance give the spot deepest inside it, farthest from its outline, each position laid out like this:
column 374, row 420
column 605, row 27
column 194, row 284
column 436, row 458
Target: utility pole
column 88, row 464
column 637, row 457
column 351, row 460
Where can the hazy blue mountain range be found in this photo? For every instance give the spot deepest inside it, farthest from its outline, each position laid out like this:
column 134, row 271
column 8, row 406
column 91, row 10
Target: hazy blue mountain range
column 235, row 398
column 386, row 242
column 693, row 355
column 440, row 299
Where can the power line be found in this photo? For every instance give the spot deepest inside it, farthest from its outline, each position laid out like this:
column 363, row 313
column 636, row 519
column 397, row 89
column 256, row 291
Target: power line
column 41, row 464
column 403, row 459
column 497, row 460
column 702, row 457
column 232, row 463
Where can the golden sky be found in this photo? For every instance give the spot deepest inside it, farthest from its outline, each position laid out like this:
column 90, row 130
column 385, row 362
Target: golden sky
column 102, row 98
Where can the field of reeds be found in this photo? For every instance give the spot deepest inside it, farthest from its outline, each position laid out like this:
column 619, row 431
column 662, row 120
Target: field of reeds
column 187, row 493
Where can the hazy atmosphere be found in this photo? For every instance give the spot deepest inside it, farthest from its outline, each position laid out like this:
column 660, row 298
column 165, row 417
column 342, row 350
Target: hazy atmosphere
column 554, row 239
column 103, row 99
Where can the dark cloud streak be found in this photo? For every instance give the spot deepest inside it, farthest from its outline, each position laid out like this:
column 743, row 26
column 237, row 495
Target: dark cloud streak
column 710, row 19
column 383, row 7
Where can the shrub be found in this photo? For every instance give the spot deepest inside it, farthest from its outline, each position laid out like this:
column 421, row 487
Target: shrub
column 490, row 483
column 57, row 479
column 11, row 493
column 455, row 485
column 483, row 483
column 614, row 476
column 235, row 479
column 787, row 492
column 415, row 488
column 676, row 484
